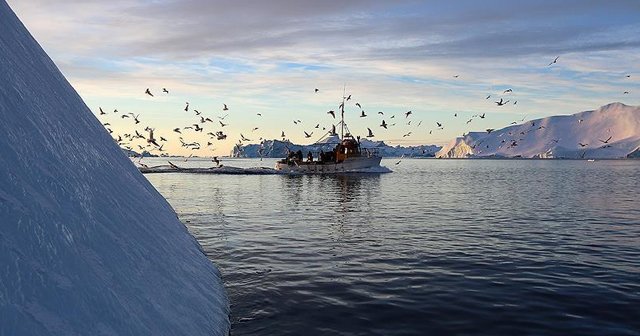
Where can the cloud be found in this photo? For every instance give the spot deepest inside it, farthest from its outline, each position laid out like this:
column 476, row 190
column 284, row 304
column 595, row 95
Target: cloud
column 395, row 56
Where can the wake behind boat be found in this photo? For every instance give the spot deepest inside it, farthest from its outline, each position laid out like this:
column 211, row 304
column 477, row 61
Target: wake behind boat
column 220, row 170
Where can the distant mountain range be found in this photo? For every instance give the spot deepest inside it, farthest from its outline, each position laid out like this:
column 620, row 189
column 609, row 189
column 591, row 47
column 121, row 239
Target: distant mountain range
column 131, row 153
column 278, row 148
column 610, row 132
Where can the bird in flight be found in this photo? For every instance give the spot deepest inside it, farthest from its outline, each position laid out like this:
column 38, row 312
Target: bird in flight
column 186, row 108
column 605, row 141
column 349, row 98
column 135, row 117
column 307, row 135
column 370, row 135
column 151, row 139
column 554, row 61
column 489, row 130
column 282, row 135
column 147, row 91
column 407, row 114
column 508, row 90
column 482, row 116
column 501, row 102
column 358, row 105
column 626, row 92
column 225, row 108
column 222, row 124
column 582, row 145
column 439, row 124
column 101, row 111
column 316, row 90
column 380, row 112
column 165, row 90
column 363, row 114
column 383, row 125
column 332, row 113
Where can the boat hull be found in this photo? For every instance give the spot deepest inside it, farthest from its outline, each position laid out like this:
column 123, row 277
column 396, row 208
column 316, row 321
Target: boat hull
column 348, row 165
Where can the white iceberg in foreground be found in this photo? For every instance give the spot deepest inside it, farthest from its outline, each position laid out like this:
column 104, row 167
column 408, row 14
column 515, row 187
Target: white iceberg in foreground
column 87, row 245
column 610, row 132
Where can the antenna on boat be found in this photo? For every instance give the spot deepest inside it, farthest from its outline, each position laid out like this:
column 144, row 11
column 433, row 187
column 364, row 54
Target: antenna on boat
column 344, row 93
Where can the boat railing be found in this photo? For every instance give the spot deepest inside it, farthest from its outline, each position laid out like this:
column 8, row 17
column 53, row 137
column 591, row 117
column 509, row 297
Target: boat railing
column 370, row 152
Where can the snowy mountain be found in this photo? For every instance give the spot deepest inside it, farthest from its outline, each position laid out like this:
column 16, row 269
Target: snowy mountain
column 612, row 131
column 87, row 245
column 279, row 149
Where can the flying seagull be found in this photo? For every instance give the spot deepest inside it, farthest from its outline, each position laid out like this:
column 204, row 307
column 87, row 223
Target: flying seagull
column 332, row 113
column 370, row 135
column 165, row 90
column 554, row 61
column 605, row 141
column 384, row 124
column 135, row 117
column 148, row 92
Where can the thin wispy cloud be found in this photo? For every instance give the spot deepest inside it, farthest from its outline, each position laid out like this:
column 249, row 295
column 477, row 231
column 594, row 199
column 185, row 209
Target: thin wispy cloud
column 393, row 55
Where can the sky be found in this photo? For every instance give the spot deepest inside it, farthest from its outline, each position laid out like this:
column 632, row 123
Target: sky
column 438, row 59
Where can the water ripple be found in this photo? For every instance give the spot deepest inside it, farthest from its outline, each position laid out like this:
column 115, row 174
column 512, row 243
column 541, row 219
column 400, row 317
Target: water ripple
column 438, row 247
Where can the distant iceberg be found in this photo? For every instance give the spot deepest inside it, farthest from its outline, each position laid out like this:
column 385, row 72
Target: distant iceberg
column 280, row 148
column 87, row 245
column 610, row 132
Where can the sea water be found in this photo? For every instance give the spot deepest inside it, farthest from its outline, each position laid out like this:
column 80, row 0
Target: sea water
column 438, row 247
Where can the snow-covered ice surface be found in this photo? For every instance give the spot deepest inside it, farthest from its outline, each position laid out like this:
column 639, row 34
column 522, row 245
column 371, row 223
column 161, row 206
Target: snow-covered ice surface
column 87, row 245
column 610, row 132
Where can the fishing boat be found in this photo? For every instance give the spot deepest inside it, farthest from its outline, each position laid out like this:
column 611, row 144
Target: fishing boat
column 343, row 154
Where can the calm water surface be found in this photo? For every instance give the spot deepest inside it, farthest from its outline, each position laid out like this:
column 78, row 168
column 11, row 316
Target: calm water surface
column 438, row 247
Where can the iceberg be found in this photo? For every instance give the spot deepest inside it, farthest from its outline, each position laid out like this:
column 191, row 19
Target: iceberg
column 87, row 245
column 610, row 132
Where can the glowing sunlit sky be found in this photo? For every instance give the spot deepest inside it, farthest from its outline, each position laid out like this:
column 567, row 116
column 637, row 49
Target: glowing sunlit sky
column 268, row 57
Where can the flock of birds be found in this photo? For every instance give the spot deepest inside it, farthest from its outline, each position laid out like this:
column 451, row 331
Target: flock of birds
column 145, row 140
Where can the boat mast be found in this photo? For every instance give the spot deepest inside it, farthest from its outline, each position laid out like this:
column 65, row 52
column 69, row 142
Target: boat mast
column 344, row 92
